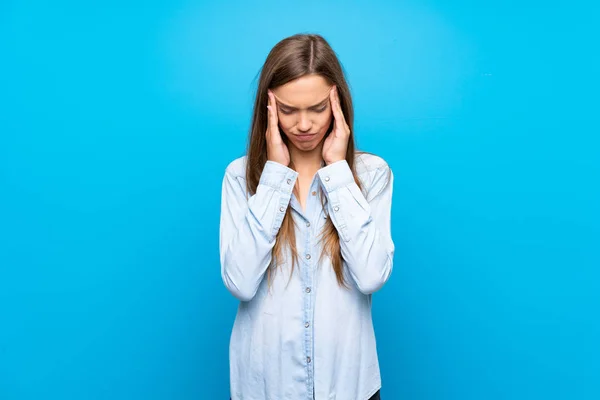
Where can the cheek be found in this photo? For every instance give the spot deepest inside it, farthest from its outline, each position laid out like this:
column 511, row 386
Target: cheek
column 324, row 120
column 286, row 123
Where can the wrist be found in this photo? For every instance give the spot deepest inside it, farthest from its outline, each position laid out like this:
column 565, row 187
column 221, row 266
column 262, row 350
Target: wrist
column 334, row 160
column 285, row 163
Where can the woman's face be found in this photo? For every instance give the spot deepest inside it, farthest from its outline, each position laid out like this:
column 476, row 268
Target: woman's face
column 304, row 110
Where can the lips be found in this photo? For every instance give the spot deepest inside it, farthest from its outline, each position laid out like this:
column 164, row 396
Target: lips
column 307, row 136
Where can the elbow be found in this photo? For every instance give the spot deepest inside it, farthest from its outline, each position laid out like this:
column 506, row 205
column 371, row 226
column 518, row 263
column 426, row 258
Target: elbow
column 240, row 288
column 370, row 286
column 242, row 295
column 374, row 280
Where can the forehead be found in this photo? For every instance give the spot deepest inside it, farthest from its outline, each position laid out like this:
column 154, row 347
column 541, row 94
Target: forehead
column 305, row 91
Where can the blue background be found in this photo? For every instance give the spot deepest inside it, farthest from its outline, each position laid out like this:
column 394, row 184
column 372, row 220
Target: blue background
column 117, row 120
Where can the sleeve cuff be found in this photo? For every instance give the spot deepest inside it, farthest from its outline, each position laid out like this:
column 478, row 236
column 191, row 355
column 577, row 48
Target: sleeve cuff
column 278, row 176
column 336, row 175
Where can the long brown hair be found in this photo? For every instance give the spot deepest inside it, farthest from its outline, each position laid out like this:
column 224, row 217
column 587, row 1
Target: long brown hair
column 292, row 58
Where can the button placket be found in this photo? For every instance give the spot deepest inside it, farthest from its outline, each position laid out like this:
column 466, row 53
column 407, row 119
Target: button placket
column 308, row 279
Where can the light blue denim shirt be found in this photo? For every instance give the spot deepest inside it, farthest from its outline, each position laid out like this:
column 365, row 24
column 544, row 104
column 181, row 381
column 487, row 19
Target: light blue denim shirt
column 306, row 337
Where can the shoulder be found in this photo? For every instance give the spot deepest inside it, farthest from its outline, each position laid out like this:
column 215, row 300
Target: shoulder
column 237, row 168
column 234, row 179
column 366, row 163
column 373, row 172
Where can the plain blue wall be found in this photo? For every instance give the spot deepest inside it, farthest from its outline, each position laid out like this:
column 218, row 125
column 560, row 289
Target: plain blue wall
column 118, row 119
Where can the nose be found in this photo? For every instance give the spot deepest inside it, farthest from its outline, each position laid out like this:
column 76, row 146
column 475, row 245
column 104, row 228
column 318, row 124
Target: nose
column 304, row 123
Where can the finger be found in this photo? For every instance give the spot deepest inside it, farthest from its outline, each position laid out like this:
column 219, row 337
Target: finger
column 341, row 112
column 338, row 114
column 269, row 118
column 338, row 104
column 273, row 120
column 270, row 115
column 335, row 107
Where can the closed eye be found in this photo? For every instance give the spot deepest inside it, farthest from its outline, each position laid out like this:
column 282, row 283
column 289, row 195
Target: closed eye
column 289, row 112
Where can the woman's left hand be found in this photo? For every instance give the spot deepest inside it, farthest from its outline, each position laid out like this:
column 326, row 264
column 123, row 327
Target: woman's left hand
column 336, row 144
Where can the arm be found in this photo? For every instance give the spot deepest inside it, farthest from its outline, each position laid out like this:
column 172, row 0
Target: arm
column 362, row 223
column 249, row 226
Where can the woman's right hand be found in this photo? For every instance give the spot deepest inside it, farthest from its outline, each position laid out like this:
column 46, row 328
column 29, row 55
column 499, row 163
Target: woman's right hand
column 276, row 150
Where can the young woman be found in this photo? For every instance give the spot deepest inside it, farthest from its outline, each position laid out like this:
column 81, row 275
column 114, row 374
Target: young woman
column 305, row 236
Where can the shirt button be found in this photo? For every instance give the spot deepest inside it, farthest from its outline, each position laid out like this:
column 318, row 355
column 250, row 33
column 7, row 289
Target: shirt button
column 307, row 290
column 282, row 209
column 326, row 179
column 306, row 325
column 308, row 360
column 308, row 256
column 308, row 224
column 336, row 208
column 314, row 193
column 289, row 181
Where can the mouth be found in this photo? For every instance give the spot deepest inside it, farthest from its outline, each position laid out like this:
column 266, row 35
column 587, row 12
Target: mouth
column 307, row 136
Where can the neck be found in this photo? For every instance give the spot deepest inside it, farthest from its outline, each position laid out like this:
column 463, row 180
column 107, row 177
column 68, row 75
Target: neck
column 307, row 162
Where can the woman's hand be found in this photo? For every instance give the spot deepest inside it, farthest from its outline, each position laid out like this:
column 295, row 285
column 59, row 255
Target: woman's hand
column 336, row 144
column 276, row 150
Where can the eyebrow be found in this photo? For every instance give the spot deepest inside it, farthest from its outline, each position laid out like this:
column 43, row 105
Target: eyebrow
column 282, row 104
